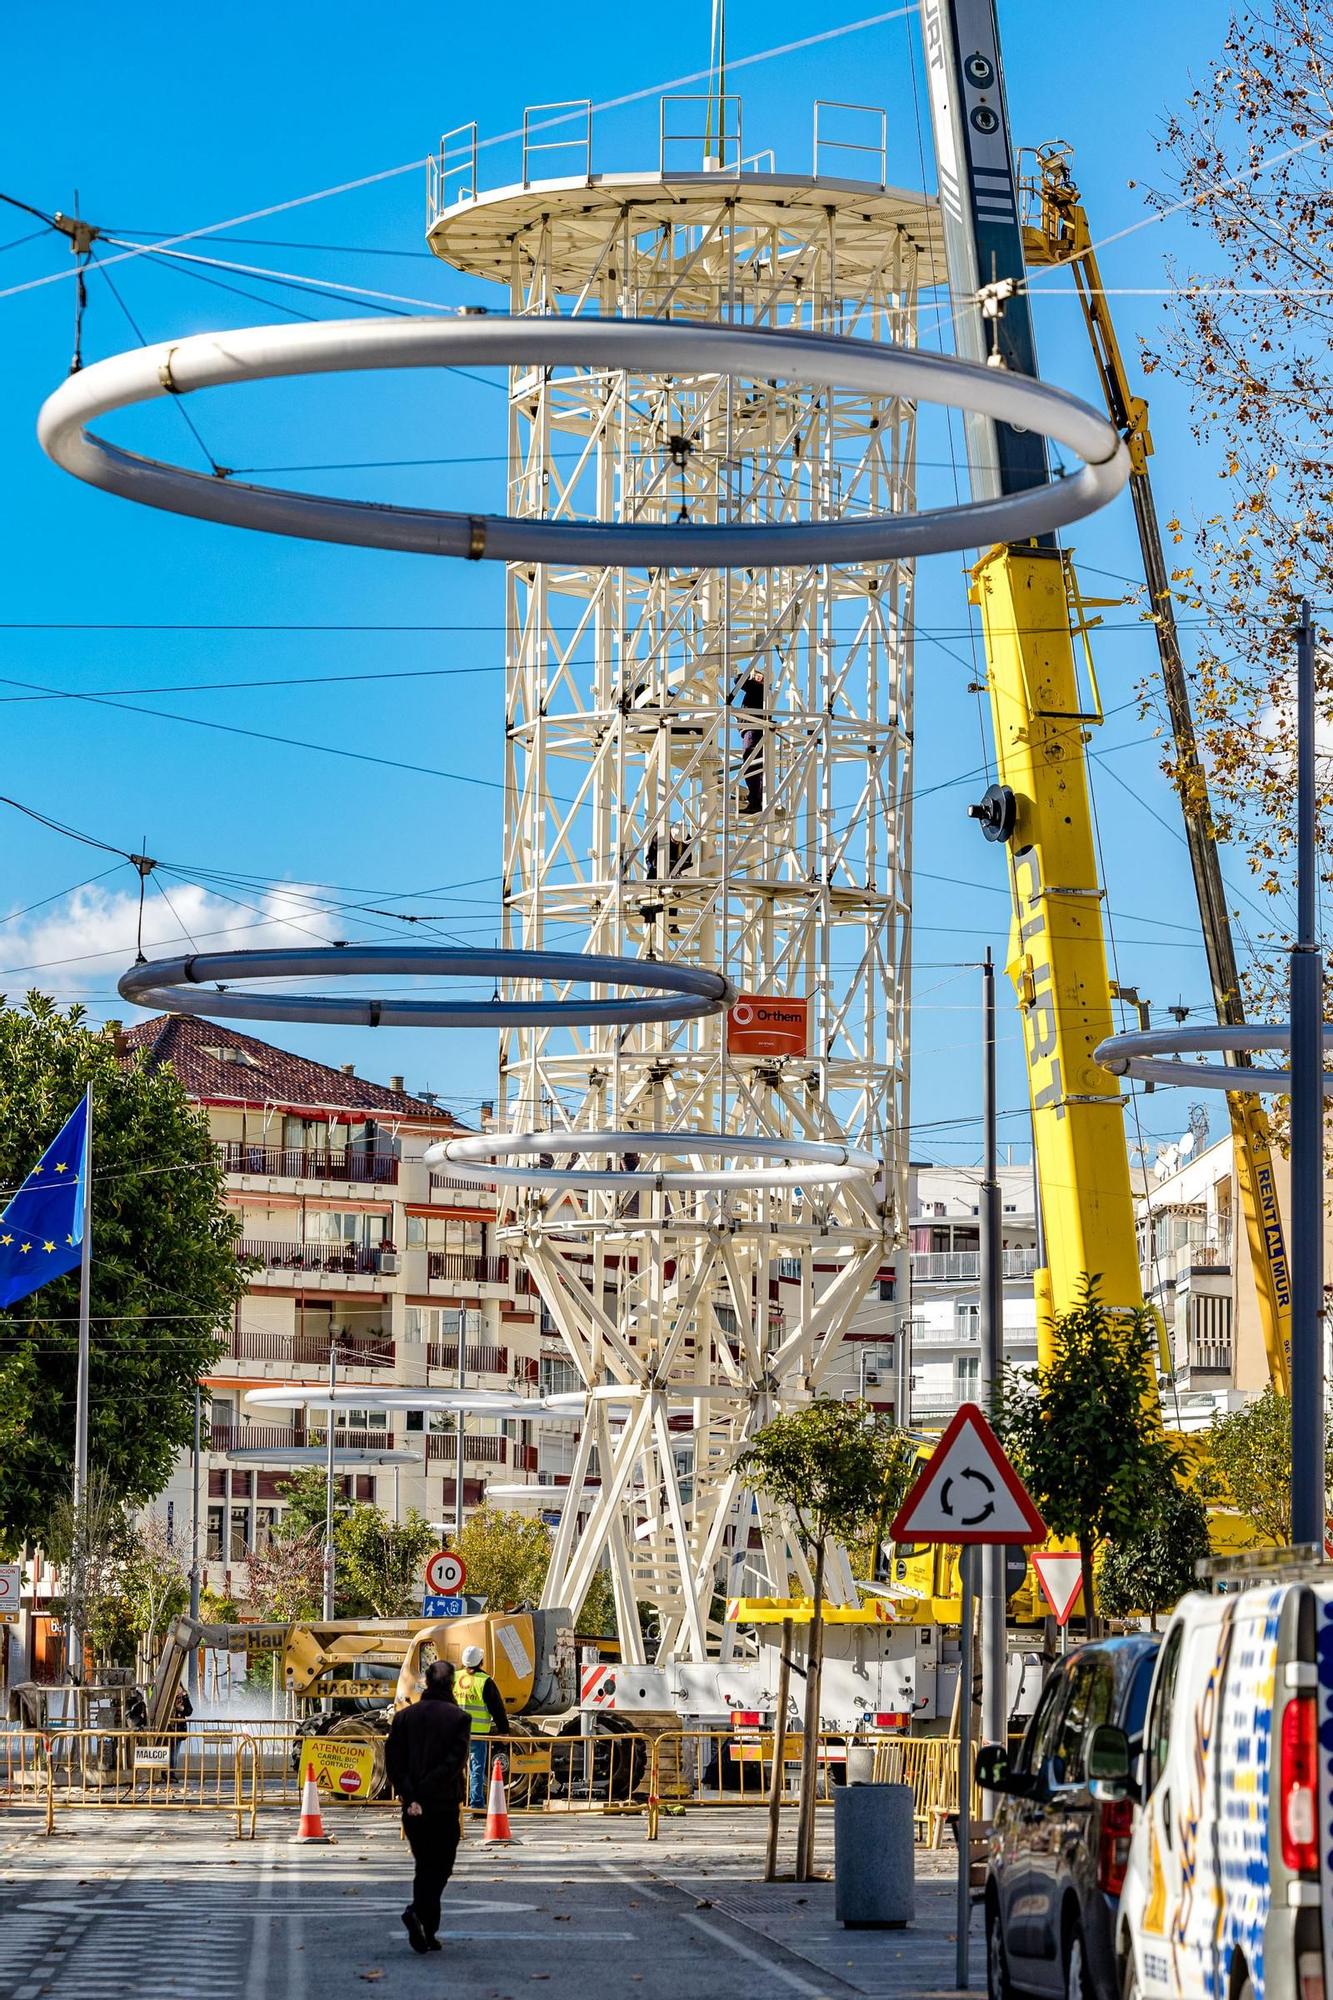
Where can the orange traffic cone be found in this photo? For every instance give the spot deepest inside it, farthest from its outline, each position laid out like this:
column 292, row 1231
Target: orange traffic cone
column 312, row 1819
column 497, row 1809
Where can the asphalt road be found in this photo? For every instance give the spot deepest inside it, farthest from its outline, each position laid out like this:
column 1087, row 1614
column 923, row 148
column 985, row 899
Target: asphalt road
column 159, row 1906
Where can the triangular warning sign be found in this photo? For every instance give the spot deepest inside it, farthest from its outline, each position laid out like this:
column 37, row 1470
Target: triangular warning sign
column 969, row 1492
column 1060, row 1574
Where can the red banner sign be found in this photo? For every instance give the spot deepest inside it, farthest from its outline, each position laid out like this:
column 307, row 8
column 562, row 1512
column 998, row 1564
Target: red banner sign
column 760, row 1024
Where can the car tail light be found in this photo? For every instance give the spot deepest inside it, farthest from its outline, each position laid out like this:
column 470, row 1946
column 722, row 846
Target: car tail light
column 1117, row 1824
column 1298, row 1784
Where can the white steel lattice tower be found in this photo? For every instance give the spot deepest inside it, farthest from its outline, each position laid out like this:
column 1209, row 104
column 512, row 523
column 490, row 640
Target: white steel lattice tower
column 711, row 767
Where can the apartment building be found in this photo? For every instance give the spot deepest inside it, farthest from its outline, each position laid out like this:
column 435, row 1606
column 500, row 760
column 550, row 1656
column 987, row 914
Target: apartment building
column 943, row 1318
column 362, row 1250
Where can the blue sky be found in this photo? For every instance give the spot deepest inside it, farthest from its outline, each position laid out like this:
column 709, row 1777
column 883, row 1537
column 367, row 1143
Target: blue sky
column 164, row 132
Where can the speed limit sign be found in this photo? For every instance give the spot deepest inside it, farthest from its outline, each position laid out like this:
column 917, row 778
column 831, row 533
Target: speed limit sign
column 446, row 1574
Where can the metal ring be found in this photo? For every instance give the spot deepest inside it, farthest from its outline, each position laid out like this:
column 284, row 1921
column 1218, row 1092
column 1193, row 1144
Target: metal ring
column 805, row 1162
column 1141, row 1054
column 675, row 348
column 688, row 993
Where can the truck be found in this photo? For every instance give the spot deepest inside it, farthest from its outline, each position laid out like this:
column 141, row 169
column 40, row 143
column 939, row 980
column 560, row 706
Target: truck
column 1228, row 1891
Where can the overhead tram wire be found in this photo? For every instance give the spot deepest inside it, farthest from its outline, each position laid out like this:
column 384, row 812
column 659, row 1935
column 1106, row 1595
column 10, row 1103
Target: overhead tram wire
column 137, row 330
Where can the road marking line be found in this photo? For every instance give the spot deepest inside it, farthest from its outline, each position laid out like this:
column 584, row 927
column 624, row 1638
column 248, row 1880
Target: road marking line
column 792, row 1979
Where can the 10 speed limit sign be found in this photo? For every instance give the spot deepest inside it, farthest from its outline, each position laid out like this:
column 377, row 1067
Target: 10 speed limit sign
column 446, row 1574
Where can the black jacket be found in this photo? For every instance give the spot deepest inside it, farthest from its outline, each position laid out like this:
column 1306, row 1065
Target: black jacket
column 426, row 1754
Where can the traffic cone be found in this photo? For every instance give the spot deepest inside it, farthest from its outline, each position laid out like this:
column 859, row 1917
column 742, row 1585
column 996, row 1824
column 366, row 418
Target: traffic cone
column 497, row 1809
column 312, row 1819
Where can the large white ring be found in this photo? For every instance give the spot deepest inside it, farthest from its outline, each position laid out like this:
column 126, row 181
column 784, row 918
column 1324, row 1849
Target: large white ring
column 1144, row 1055
column 256, row 354
column 495, row 1157
column 687, row 992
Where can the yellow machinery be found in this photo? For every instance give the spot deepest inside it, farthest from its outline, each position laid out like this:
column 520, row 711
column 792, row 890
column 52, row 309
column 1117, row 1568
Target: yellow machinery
column 1057, row 233
column 378, row 1663
column 1041, row 810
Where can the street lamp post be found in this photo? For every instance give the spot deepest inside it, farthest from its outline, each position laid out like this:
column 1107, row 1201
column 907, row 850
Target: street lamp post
column 192, row 1668
column 329, row 1576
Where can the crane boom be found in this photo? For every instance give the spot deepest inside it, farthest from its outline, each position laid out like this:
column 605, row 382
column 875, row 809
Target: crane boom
column 1060, row 235
column 1031, row 616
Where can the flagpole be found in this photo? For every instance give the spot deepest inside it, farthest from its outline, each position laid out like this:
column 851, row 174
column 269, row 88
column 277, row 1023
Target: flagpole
column 79, row 1550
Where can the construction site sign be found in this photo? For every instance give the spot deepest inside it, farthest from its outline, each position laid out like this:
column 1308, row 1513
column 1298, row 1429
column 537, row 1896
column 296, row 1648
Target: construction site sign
column 11, row 1589
column 761, row 1024
column 969, row 1492
column 1060, row 1574
column 347, row 1769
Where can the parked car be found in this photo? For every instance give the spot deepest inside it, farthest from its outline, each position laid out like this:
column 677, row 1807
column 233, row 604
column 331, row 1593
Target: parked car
column 1059, row 1837
column 1226, row 1888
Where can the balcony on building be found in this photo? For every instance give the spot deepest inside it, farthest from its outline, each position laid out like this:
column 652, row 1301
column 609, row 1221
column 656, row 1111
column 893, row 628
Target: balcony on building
column 364, row 1342
column 963, row 1266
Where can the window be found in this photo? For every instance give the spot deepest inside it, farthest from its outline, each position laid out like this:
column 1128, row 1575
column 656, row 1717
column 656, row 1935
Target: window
column 1038, row 1742
column 414, row 1331
column 239, row 1544
column 967, row 1376
column 967, row 1319
column 1091, row 1700
column 416, row 1232
column 266, row 1520
column 415, row 1420
column 361, row 1420
column 213, row 1546
column 1163, row 1701
column 557, row 1377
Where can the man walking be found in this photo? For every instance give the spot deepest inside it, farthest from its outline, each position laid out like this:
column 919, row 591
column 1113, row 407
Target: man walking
column 478, row 1694
column 424, row 1759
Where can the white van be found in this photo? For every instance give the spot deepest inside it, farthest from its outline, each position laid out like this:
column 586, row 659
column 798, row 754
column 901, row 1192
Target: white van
column 1225, row 1897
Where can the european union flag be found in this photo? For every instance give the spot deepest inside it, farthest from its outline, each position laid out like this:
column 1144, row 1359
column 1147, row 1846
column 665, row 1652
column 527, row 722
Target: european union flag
column 41, row 1231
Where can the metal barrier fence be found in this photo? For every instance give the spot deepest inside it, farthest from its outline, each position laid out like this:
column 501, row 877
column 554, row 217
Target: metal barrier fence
column 73, row 1769
column 256, row 1763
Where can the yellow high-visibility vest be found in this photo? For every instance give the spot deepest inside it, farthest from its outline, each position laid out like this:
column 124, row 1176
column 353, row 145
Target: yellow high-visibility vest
column 469, row 1692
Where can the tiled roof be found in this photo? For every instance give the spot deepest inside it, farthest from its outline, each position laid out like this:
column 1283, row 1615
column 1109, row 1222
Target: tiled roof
column 215, row 1063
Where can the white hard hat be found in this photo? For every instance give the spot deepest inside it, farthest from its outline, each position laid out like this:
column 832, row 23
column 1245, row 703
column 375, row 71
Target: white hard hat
column 472, row 1656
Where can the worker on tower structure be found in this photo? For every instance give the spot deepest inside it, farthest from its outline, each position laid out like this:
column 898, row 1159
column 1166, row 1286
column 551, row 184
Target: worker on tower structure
column 477, row 1694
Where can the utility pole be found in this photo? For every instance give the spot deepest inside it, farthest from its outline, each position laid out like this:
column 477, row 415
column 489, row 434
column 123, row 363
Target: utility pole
column 1307, row 1129
column 79, row 1551
column 994, row 1648
column 462, row 1384
column 192, row 1666
column 329, row 1559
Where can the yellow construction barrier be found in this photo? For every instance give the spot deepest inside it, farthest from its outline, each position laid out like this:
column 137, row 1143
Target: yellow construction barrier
column 127, row 1769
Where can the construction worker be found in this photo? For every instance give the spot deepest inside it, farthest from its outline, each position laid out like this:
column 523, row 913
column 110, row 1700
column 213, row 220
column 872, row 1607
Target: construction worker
column 425, row 1759
column 477, row 1693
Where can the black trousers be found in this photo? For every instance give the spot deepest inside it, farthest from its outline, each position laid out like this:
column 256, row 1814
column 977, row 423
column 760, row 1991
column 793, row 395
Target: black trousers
column 433, row 1839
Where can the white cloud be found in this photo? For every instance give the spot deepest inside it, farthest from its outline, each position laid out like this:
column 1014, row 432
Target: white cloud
column 87, row 940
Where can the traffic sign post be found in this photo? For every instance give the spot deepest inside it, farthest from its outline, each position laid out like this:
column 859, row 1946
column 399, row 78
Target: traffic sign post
column 446, row 1574
column 969, row 1496
column 969, row 1491
column 1060, row 1574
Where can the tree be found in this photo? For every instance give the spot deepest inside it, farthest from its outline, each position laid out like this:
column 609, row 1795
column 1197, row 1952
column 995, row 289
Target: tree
column 155, row 1581
column 832, row 1470
column 380, row 1562
column 1149, row 1569
column 506, row 1556
column 88, row 1545
column 165, row 1275
column 1249, row 167
column 287, row 1577
column 1095, row 1460
column 1249, row 1457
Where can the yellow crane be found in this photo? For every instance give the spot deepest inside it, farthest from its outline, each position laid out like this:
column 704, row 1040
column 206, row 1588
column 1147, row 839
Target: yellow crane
column 1056, row 233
